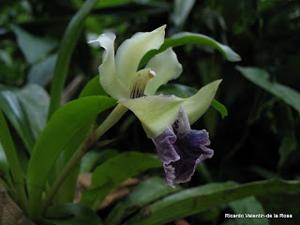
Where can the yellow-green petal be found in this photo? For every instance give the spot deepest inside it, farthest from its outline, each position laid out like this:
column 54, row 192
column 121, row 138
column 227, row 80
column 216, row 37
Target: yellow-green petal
column 132, row 51
column 155, row 112
column 196, row 105
column 107, row 69
column 166, row 67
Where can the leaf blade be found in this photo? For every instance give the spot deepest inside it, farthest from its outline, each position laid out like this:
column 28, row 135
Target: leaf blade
column 27, row 42
column 115, row 170
column 145, row 193
column 93, row 87
column 68, row 43
column 13, row 160
column 195, row 200
column 261, row 78
column 15, row 113
column 67, row 130
column 249, row 205
column 184, row 38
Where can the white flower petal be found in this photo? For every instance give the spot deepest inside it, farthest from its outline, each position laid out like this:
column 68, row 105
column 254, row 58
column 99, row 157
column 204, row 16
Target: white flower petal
column 107, row 69
column 132, row 51
column 196, row 105
column 155, row 112
column 166, row 67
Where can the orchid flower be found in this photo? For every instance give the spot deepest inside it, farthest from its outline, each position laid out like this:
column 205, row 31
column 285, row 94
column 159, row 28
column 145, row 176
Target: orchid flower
column 166, row 119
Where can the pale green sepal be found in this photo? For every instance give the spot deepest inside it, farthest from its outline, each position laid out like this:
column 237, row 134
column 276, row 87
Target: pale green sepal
column 166, row 67
column 155, row 112
column 107, row 69
column 196, row 105
column 132, row 50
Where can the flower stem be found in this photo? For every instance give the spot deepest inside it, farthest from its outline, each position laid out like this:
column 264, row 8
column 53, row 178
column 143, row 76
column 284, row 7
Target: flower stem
column 110, row 121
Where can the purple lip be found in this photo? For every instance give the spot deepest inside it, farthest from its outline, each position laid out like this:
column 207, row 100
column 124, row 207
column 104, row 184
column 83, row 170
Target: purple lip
column 181, row 149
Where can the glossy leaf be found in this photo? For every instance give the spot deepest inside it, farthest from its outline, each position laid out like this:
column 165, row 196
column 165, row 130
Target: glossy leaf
column 35, row 102
column 286, row 124
column 109, row 3
column 15, row 113
column 191, row 201
column 114, row 171
column 67, row 190
column 3, row 163
column 94, row 158
column 65, row 131
column 72, row 214
column 33, row 48
column 26, row 110
column 249, row 205
column 93, row 87
column 11, row 107
column 181, row 11
column 193, row 38
column 41, row 73
column 13, row 160
column 146, row 192
column 67, row 46
column 262, row 79
column 220, row 108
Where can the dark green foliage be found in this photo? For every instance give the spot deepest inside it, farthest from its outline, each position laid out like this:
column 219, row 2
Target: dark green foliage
column 114, row 171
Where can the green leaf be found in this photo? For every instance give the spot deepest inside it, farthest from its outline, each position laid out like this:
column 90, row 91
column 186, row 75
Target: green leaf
column 66, row 131
column 3, row 163
column 220, row 108
column 41, row 73
column 249, row 205
column 181, row 11
column 34, row 48
column 93, row 87
column 114, row 171
column 72, row 214
column 26, row 110
column 67, row 46
column 286, row 129
column 13, row 160
column 109, row 3
column 5, row 175
column 288, row 145
column 94, row 158
column 146, row 192
column 193, row 38
column 6, row 58
column 262, row 79
column 15, row 113
column 35, row 102
column 191, row 201
column 88, row 164
column 67, row 190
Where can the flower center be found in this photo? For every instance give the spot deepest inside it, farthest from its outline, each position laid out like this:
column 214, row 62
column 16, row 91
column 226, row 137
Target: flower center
column 140, row 82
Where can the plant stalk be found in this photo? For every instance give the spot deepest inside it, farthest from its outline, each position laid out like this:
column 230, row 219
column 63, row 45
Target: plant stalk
column 109, row 122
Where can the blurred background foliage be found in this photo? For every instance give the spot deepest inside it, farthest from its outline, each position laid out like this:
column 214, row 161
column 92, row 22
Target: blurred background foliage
column 259, row 139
